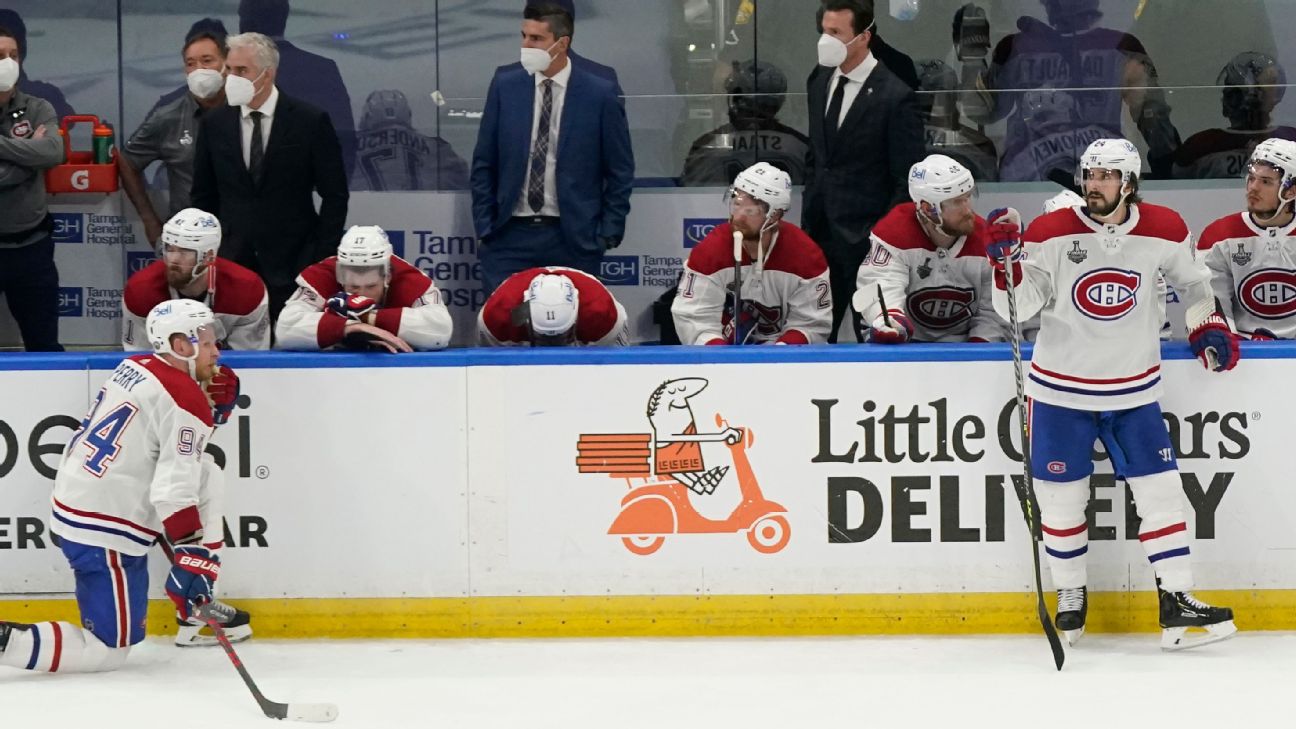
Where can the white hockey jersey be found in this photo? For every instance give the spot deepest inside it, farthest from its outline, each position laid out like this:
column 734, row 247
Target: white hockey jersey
column 1094, row 286
column 600, row 319
column 786, row 300
column 133, row 470
column 236, row 296
column 945, row 293
column 1253, row 273
column 412, row 309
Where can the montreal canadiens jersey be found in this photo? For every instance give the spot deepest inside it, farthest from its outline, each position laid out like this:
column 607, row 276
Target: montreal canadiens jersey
column 786, row 300
column 1095, row 287
column 412, row 309
column 133, row 470
column 1253, row 273
column 945, row 293
column 235, row 295
column 600, row 319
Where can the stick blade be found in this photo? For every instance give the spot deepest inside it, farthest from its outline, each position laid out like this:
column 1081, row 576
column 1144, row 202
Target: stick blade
column 316, row 713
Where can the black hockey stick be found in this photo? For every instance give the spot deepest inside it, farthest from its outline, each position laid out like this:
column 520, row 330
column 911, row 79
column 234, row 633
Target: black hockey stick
column 273, row 709
column 1026, row 490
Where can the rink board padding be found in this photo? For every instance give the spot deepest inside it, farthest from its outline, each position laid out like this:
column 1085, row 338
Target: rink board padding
column 665, row 491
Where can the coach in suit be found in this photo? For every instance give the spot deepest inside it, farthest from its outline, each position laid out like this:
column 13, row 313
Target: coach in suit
column 257, row 163
column 865, row 134
column 553, row 168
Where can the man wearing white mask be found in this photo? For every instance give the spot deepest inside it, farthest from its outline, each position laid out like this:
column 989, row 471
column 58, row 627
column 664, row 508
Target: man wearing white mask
column 29, row 144
column 258, row 164
column 865, row 134
column 543, row 115
column 170, row 132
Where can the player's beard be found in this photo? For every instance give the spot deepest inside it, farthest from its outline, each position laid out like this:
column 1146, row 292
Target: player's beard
column 1100, row 205
column 963, row 228
column 177, row 278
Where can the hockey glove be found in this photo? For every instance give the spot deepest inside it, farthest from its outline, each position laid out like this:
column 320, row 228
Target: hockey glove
column 1004, row 246
column 223, row 391
column 894, row 328
column 1215, row 344
column 355, row 308
column 193, row 574
column 1264, row 335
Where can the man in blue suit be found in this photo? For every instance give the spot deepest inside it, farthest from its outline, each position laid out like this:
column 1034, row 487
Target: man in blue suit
column 553, row 168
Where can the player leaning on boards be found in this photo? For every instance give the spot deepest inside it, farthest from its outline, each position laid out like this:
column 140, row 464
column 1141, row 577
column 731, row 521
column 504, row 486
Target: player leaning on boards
column 135, row 473
column 783, row 290
column 1250, row 254
column 189, row 269
column 1096, row 372
column 928, row 265
column 364, row 297
column 552, row 306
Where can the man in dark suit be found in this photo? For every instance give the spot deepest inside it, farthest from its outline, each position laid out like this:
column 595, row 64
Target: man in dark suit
column 552, row 169
column 256, row 165
column 590, row 65
column 865, row 134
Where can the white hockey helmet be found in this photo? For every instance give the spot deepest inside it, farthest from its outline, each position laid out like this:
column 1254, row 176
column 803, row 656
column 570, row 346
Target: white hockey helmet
column 1279, row 154
column 1064, row 199
column 552, row 302
column 185, row 317
column 364, row 247
column 193, row 230
column 938, row 178
column 1110, row 154
column 768, row 184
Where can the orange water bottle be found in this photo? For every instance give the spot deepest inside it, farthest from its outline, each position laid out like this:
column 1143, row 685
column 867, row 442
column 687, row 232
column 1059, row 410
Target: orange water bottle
column 102, row 143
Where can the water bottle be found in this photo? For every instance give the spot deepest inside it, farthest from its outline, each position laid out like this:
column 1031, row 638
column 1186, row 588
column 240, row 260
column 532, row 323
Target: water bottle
column 102, row 143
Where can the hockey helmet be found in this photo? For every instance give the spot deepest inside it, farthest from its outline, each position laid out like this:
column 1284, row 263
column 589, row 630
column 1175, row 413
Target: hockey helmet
column 364, row 247
column 936, row 179
column 1252, row 84
column 1110, row 154
column 386, row 107
column 193, row 230
column 756, row 91
column 552, row 302
column 185, row 317
column 766, row 183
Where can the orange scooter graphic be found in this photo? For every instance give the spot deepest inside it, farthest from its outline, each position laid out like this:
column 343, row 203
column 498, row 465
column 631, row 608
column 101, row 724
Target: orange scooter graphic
column 659, row 505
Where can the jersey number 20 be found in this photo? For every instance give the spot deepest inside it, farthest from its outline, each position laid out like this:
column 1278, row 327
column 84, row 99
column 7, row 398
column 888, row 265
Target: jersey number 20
column 104, row 437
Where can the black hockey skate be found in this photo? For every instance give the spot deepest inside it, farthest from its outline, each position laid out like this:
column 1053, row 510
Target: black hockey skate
column 236, row 623
column 1073, row 606
column 1181, row 611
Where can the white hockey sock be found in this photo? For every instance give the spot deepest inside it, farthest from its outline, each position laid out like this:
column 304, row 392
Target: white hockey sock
column 62, row 648
column 1164, row 531
column 1065, row 529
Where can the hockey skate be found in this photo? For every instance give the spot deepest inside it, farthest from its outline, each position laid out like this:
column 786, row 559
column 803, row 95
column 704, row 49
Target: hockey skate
column 1073, row 606
column 236, row 623
column 1181, row 611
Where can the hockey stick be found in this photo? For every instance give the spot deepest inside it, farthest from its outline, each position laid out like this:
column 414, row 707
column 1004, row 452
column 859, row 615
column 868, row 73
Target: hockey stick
column 293, row 712
column 737, row 309
column 1026, row 492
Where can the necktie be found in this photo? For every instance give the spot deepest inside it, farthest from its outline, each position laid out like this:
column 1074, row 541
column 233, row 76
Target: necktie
column 540, row 150
column 258, row 147
column 834, row 112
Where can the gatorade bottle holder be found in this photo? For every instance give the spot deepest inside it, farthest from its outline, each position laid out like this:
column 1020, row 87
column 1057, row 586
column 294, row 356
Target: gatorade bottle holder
column 79, row 173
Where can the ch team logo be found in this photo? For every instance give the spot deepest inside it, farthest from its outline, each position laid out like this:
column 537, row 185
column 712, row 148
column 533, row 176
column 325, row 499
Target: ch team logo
column 942, row 307
column 695, row 229
column 1269, row 293
column 619, row 270
column 1106, row 294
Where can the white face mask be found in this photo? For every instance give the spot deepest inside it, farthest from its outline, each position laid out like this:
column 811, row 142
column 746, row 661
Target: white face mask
column 205, row 82
column 8, row 74
column 535, row 60
column 832, row 52
column 239, row 91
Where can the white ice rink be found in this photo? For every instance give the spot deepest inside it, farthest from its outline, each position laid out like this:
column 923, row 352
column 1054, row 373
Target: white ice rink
column 1109, row 681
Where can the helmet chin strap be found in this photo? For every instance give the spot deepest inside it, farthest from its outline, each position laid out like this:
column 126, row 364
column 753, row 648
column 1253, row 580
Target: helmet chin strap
column 1282, row 204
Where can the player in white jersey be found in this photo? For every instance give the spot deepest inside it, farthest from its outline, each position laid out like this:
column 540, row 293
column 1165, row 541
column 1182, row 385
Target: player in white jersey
column 784, row 291
column 1252, row 255
column 134, row 474
column 1096, row 373
column 928, row 265
column 552, row 306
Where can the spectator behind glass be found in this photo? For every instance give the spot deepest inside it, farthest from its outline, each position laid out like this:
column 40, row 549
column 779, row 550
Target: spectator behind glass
column 393, row 155
column 944, row 133
column 754, row 134
column 302, row 74
column 13, row 21
column 1252, row 84
column 1035, row 72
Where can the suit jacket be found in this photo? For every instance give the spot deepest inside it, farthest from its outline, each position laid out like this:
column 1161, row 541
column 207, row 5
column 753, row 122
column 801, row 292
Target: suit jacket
column 849, row 187
column 595, row 163
column 271, row 226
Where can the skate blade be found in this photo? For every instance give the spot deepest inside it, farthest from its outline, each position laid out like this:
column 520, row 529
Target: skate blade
column 192, row 636
column 1177, row 639
column 1073, row 636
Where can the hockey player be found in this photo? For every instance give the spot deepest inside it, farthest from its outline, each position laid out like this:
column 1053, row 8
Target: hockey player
column 134, row 473
column 189, row 269
column 928, row 265
column 552, row 307
column 393, row 155
column 1096, row 372
column 785, row 293
column 365, row 296
column 1250, row 254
